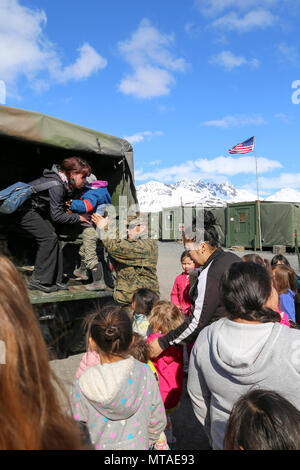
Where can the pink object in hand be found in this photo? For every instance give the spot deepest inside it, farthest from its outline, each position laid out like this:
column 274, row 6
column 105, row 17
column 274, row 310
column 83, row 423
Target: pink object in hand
column 98, row 184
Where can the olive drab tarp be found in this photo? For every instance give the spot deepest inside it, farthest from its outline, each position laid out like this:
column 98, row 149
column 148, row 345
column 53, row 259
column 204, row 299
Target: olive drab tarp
column 279, row 221
column 32, row 141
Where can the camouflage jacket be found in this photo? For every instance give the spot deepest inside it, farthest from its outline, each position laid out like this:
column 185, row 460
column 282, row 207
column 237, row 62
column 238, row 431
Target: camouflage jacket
column 135, row 262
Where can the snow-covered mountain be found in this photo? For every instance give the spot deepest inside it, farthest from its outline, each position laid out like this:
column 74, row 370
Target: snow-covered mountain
column 285, row 195
column 153, row 196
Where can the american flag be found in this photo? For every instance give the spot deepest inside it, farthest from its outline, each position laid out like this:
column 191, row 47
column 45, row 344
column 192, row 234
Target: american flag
column 243, row 147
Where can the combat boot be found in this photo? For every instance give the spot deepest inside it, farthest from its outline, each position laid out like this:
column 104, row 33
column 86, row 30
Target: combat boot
column 81, row 272
column 97, row 275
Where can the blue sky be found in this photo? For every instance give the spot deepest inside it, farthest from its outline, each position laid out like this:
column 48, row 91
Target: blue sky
column 182, row 80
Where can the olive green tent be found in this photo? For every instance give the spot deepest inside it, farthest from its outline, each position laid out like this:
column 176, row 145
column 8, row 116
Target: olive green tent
column 31, row 142
column 279, row 222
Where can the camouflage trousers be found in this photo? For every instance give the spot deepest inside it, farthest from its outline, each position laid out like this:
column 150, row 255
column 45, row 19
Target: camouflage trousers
column 88, row 249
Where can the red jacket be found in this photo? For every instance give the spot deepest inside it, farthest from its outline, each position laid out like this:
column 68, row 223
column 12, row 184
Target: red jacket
column 180, row 293
column 169, row 366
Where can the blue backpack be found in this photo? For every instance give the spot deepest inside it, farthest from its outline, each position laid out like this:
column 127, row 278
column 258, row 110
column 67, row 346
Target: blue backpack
column 15, row 195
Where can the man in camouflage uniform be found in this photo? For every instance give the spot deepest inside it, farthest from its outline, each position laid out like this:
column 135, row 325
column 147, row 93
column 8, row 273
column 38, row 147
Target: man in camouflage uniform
column 134, row 258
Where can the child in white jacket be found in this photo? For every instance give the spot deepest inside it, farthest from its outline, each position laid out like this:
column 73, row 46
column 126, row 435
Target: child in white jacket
column 118, row 400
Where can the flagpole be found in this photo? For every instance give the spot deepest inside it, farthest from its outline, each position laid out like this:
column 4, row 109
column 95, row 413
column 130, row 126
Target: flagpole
column 258, row 201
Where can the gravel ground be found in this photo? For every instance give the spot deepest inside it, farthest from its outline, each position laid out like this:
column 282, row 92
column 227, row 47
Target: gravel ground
column 189, row 433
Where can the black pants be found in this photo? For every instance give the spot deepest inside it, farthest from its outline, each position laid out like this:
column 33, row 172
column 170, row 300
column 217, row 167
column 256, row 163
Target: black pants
column 48, row 267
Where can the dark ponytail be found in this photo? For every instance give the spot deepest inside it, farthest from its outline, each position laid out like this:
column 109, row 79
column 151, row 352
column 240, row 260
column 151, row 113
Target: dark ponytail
column 245, row 288
column 203, row 229
column 210, row 233
column 111, row 329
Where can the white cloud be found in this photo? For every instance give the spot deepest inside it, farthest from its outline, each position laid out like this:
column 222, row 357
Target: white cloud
column 26, row 52
column 139, row 136
column 228, row 60
column 88, row 62
column 284, row 180
column 212, row 8
column 147, row 82
column 239, row 15
column 283, row 117
column 236, row 121
column 245, row 23
column 23, row 50
column 233, row 166
column 217, row 168
column 151, row 162
column 2, row 92
column 148, row 53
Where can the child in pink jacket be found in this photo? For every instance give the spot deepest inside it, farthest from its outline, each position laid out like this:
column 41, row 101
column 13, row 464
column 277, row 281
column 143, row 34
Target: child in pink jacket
column 180, row 297
column 169, row 364
column 181, row 288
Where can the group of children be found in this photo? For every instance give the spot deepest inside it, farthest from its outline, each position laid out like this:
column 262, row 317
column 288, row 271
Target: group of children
column 126, row 400
column 116, row 378
column 285, row 281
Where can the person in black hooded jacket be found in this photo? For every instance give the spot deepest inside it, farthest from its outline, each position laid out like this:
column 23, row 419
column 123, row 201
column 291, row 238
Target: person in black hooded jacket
column 43, row 211
column 203, row 246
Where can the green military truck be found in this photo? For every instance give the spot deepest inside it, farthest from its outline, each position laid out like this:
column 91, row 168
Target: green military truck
column 31, row 142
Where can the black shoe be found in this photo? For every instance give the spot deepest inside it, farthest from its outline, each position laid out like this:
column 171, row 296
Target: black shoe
column 34, row 284
column 62, row 286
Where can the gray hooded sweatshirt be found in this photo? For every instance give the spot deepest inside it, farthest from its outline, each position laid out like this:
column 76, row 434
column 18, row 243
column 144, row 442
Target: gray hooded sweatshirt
column 121, row 405
column 230, row 358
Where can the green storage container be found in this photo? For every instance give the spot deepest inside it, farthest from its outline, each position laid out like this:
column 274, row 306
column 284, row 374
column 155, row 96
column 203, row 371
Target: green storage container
column 154, row 225
column 279, row 221
column 242, row 225
column 171, row 223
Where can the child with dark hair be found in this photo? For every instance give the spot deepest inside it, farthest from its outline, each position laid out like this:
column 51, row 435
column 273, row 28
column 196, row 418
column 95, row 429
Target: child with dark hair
column 142, row 303
column 255, row 258
column 263, row 420
column 139, row 348
column 118, row 399
column 279, row 259
column 181, row 298
column 181, row 288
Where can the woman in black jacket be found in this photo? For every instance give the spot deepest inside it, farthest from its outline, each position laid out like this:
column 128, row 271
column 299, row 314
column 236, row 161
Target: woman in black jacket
column 39, row 215
column 203, row 248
